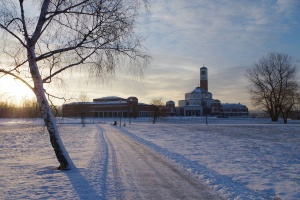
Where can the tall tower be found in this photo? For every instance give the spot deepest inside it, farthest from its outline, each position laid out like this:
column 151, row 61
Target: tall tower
column 203, row 78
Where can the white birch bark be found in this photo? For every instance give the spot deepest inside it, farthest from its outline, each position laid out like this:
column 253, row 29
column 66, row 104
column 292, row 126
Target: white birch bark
column 56, row 142
column 38, row 88
column 97, row 34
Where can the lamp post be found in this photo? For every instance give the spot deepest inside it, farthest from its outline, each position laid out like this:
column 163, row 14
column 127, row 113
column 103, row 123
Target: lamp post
column 202, row 104
column 120, row 113
column 130, row 110
column 93, row 116
column 206, row 108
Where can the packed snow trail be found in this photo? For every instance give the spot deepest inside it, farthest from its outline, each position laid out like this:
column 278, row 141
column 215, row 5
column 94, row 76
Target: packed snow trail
column 135, row 172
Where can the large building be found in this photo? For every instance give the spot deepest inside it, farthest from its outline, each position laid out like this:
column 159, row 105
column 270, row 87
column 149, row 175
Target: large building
column 197, row 102
column 233, row 109
column 108, row 107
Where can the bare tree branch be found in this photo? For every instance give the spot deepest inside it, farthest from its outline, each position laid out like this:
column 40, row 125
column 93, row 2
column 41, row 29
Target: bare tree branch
column 13, row 34
column 273, row 85
column 65, row 34
column 17, row 77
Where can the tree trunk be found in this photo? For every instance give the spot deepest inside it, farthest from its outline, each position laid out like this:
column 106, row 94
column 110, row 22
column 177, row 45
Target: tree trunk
column 275, row 119
column 284, row 116
column 154, row 119
column 60, row 152
column 274, row 115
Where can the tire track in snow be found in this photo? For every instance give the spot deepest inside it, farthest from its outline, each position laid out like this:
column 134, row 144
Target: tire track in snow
column 98, row 165
column 114, row 183
column 221, row 183
column 147, row 175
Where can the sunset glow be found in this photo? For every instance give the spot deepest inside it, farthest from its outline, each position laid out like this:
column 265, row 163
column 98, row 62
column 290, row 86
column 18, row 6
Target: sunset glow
column 14, row 90
column 228, row 37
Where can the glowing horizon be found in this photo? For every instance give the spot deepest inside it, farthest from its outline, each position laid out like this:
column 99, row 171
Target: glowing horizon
column 226, row 36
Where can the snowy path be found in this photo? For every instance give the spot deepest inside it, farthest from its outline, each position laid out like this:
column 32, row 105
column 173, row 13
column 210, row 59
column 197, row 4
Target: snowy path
column 239, row 159
column 109, row 165
column 135, row 172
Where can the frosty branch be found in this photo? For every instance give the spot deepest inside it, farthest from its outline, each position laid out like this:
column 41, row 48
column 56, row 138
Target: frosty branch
column 57, row 35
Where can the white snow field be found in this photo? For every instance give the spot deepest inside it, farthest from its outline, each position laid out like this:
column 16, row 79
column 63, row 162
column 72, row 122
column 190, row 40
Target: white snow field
column 236, row 158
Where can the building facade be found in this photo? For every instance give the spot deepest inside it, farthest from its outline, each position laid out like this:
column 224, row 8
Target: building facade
column 108, row 107
column 232, row 109
column 170, row 108
column 198, row 102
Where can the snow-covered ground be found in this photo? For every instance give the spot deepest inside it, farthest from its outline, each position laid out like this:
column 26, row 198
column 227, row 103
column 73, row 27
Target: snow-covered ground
column 28, row 164
column 239, row 158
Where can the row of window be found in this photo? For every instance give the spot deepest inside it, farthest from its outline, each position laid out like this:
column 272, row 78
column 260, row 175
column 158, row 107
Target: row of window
column 196, row 96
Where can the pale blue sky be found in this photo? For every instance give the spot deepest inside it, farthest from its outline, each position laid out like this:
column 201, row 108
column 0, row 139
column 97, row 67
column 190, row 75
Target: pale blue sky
column 227, row 36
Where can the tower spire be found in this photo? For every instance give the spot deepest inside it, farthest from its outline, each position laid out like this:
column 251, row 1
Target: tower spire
column 203, row 78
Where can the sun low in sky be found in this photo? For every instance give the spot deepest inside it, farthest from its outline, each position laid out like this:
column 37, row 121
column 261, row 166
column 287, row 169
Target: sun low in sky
column 14, row 90
column 226, row 36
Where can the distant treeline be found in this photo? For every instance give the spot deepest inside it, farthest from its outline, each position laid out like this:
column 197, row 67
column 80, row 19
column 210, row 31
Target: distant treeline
column 295, row 115
column 28, row 109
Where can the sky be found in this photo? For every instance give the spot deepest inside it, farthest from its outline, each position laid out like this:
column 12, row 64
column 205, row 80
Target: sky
column 226, row 36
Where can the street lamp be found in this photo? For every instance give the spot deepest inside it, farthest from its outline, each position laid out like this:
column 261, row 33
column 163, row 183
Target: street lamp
column 120, row 113
column 206, row 108
column 130, row 110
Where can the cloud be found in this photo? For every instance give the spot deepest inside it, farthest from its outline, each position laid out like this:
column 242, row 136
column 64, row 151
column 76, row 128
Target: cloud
column 229, row 85
column 183, row 35
column 212, row 24
column 225, row 36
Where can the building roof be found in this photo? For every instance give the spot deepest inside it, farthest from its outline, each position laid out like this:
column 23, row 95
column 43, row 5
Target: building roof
column 170, row 101
column 98, row 103
column 109, row 98
column 198, row 90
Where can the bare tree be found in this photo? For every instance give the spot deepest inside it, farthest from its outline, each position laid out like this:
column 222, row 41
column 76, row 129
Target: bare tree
column 273, row 84
column 289, row 103
column 29, row 109
column 158, row 109
column 82, row 107
column 3, row 105
column 43, row 39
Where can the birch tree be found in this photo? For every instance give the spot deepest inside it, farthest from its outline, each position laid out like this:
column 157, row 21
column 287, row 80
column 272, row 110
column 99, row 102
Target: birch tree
column 42, row 39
